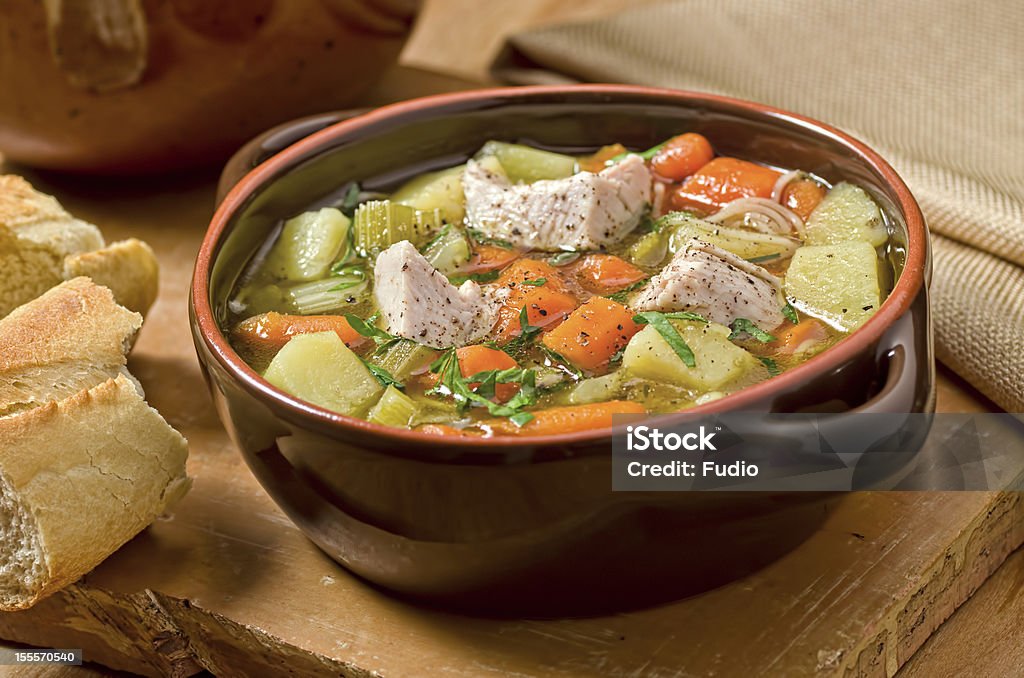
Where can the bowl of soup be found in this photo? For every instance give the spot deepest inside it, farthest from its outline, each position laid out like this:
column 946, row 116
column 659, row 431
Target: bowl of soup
column 421, row 324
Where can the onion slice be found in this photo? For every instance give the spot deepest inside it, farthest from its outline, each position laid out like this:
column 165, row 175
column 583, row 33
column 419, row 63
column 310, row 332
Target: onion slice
column 761, row 214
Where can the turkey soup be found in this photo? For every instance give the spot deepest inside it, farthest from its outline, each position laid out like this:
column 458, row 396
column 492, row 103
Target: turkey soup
column 528, row 292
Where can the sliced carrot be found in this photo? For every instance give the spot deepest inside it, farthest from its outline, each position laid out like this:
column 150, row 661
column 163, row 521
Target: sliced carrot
column 593, row 333
column 682, row 156
column 569, row 419
column 270, row 331
column 723, row 180
column 477, row 359
column 545, row 307
column 603, row 273
column 802, row 196
column 800, row 337
column 530, row 271
column 597, row 161
column 489, row 258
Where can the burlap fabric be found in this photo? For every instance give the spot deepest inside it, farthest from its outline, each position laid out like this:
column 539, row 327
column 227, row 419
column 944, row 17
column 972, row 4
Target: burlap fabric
column 936, row 86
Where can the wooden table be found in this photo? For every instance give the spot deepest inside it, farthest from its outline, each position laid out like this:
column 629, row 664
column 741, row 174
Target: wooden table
column 226, row 583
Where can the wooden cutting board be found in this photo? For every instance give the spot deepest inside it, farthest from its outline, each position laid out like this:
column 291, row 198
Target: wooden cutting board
column 226, row 583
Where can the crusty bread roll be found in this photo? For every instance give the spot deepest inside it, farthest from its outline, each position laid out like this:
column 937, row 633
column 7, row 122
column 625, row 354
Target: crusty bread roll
column 85, row 463
column 42, row 245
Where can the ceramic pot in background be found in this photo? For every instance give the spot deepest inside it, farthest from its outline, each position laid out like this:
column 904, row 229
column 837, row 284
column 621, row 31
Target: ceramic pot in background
column 119, row 86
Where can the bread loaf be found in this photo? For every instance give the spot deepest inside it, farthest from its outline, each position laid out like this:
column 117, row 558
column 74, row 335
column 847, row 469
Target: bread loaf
column 42, row 245
column 85, row 463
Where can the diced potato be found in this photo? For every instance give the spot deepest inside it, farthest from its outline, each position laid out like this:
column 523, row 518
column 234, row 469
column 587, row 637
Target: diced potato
column 320, row 369
column 441, row 190
column 745, row 244
column 846, row 214
column 527, row 164
column 718, row 360
column 308, row 245
column 393, row 409
column 596, row 389
column 837, row 283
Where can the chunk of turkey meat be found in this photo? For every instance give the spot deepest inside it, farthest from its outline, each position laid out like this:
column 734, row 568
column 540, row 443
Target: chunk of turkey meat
column 586, row 211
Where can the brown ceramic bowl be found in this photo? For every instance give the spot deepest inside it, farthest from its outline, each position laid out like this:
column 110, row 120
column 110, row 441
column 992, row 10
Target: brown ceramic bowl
column 515, row 521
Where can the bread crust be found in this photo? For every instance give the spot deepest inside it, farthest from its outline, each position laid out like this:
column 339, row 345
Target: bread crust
column 85, row 463
column 41, row 244
column 72, row 337
column 93, row 470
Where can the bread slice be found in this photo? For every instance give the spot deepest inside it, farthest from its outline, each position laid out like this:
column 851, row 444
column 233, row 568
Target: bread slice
column 41, row 245
column 72, row 337
column 85, row 463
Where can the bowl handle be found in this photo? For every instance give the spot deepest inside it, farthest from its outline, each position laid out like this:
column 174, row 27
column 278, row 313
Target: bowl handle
column 273, row 141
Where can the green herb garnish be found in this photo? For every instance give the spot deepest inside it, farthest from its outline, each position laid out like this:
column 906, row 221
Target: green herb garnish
column 624, row 293
column 660, row 322
column 367, row 329
column 563, row 258
column 485, row 277
column 790, row 313
column 451, row 382
column 351, row 200
column 742, row 326
column 773, row 367
column 646, row 155
column 383, row 376
column 535, row 283
column 687, row 315
column 763, row 258
column 484, row 239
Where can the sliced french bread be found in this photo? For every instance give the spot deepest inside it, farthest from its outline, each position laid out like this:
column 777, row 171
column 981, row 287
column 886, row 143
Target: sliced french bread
column 85, row 463
column 41, row 245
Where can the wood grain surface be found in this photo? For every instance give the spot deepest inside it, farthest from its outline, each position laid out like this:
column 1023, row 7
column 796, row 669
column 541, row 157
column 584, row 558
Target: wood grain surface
column 228, row 585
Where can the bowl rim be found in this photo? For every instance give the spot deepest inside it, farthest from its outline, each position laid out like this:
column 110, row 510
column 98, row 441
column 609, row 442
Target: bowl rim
column 899, row 301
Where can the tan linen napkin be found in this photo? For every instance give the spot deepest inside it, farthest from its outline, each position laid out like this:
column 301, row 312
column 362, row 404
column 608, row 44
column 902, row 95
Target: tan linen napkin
column 937, row 86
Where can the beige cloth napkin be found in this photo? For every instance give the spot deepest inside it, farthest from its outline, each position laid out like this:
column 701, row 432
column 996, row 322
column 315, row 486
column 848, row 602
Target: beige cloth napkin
column 937, row 86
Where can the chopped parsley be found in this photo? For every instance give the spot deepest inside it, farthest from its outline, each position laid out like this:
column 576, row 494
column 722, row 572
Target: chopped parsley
column 763, row 258
column 484, row 277
column 351, row 199
column 451, row 382
column 383, row 376
column 790, row 313
column 536, row 282
column 742, row 326
column 624, row 293
column 367, row 329
column 479, row 236
column 660, row 322
column 773, row 367
column 646, row 155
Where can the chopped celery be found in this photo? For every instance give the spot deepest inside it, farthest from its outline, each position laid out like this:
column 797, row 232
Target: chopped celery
column 430, row 411
column 402, row 358
column 393, row 409
column 449, row 250
column 650, row 250
column 329, row 294
column 717, row 361
column 847, row 213
column 319, row 368
column 379, row 224
column 526, row 164
column 440, row 190
column 597, row 389
column 308, row 245
column 746, row 244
